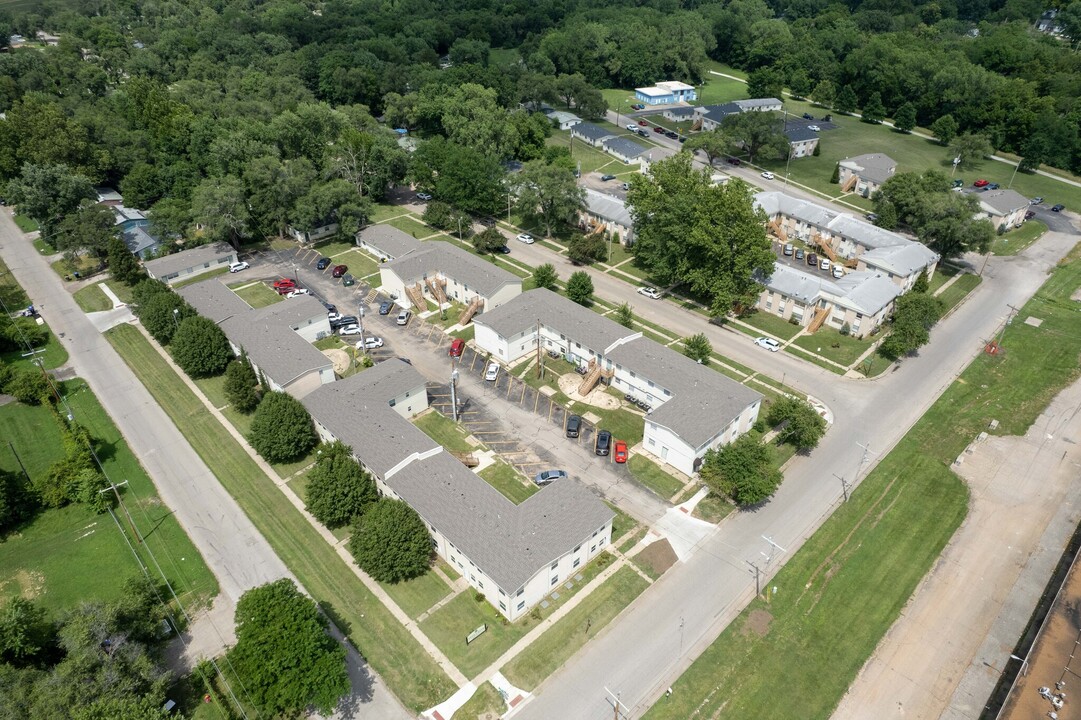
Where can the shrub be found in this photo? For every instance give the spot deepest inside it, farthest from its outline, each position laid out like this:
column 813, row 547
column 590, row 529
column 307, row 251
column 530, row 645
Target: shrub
column 338, row 488
column 281, row 429
column 580, row 288
column 200, row 347
column 390, row 542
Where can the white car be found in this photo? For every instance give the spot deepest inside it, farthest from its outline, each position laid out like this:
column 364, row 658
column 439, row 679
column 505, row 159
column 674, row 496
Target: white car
column 527, row 239
column 424, row 196
column 838, row 272
column 298, row 292
column 350, row 330
column 403, row 317
column 238, row 266
column 632, row 127
column 814, row 128
column 370, row 343
column 492, row 372
column 650, row 292
column 767, row 343
column 767, row 175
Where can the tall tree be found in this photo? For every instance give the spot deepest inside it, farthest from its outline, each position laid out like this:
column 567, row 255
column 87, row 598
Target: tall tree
column 846, row 100
column 281, row 429
column 549, row 194
column 873, row 110
column 240, row 385
column 945, row 129
column 802, row 427
column 760, row 134
column 714, row 144
column 972, row 148
column 708, row 236
column 545, row 276
column 473, row 118
column 825, row 93
column 390, row 542
column 162, row 313
column 48, row 194
column 122, row 264
column 220, row 205
column 765, row 82
column 283, row 654
column 200, row 347
column 905, row 118
column 698, row 348
column 338, row 487
column 580, row 288
column 371, row 162
column 88, row 229
column 743, row 471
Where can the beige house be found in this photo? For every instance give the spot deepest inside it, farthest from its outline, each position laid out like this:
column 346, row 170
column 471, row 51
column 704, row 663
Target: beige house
column 610, row 212
column 447, row 273
column 189, row 263
column 865, row 174
column 1004, row 208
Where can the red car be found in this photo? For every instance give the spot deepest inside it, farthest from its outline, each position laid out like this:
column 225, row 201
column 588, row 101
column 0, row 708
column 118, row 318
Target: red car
column 284, row 284
column 643, row 123
column 339, row 270
column 658, row 129
column 980, row 183
column 620, row 453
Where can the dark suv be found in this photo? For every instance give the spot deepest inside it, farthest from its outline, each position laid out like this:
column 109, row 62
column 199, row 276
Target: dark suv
column 574, row 426
column 604, row 442
column 322, row 264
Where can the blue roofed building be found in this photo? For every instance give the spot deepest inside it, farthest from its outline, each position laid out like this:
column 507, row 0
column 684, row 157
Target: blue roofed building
column 666, row 93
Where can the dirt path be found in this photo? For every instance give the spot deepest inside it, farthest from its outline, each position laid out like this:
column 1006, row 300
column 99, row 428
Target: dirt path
column 943, row 656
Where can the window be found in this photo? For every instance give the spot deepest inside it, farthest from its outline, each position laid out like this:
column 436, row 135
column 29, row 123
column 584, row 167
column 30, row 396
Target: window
column 519, row 593
column 577, row 548
column 652, row 442
column 503, row 607
column 501, row 593
column 521, row 605
column 555, row 579
column 555, row 564
column 480, row 585
column 472, row 579
column 593, row 549
column 577, row 562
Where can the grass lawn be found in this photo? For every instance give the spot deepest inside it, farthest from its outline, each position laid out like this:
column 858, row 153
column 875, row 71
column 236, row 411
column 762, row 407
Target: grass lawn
column 955, row 293
column 82, row 264
column 444, row 431
column 121, row 290
column 25, row 223
column 417, row 595
column 799, row 352
column 1017, row 240
column 71, row 554
column 831, row 344
column 408, row 671
column 331, row 248
column 653, row 477
column 224, row 269
column 592, row 159
column 92, row 299
column 360, row 263
column 941, row 276
column 514, row 486
column 381, row 212
column 43, row 247
column 713, row 509
column 411, row 226
column 771, row 324
column 622, row 523
column 485, row 700
column 623, row 424
column 561, row 641
column 259, row 295
column 54, row 355
column 467, row 333
column 448, row 626
column 858, row 571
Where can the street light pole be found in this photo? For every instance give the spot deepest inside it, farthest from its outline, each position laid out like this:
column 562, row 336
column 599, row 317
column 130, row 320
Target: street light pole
column 176, row 315
column 453, row 393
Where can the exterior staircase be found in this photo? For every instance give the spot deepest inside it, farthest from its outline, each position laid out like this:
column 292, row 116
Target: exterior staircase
column 825, row 246
column 820, row 317
column 594, row 374
column 850, row 183
column 416, row 295
column 470, row 311
column 437, row 288
column 778, row 231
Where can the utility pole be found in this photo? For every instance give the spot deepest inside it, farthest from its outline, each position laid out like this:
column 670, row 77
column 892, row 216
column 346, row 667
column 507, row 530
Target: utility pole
column 773, row 547
column 844, row 485
column 540, row 355
column 453, row 394
column 863, row 459
column 20, row 461
column 757, row 578
column 617, row 712
column 681, row 635
column 114, row 488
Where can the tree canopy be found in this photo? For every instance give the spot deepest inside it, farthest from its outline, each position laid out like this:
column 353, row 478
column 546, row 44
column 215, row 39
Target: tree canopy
column 338, row 487
column 200, row 347
column 743, row 471
column 390, row 542
column 281, row 428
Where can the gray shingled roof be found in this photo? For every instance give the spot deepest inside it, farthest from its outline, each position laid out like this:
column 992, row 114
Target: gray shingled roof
column 364, row 421
column 680, row 111
column 592, row 131
column 800, row 134
column 773, row 203
column 900, row 259
column 624, row 147
column 608, row 207
column 267, row 336
column 138, row 239
column 454, row 262
column 755, row 103
column 188, row 259
column 876, row 167
column 865, row 234
column 390, row 240
column 212, row 299
column 867, row 292
column 1004, row 201
column 703, row 400
column 555, row 311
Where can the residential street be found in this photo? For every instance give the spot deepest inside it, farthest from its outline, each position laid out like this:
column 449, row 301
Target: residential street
column 232, row 547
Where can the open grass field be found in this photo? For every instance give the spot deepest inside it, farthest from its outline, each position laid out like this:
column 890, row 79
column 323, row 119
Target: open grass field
column 443, row 430
column 771, row 324
column 92, row 299
column 559, row 643
column 846, row 586
column 1017, row 240
column 258, row 294
column 72, row 554
column 412, row 226
column 504, row 478
column 954, row 294
column 653, row 477
column 408, row 671
column 831, row 344
column 417, row 595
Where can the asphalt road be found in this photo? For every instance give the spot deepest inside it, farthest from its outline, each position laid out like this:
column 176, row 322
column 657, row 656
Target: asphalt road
column 232, row 547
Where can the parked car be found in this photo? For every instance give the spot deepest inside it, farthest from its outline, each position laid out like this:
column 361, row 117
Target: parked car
column 424, row 196
column 871, row 216
column 824, row 264
column 384, row 307
column 298, row 292
column 838, row 272
column 734, row 161
column 343, row 320
column 604, row 443
column 488, row 221
column 403, row 317
column 1030, row 214
column 658, row 129
column 980, row 183
column 456, row 347
column 619, row 454
column 284, row 283
column 574, row 426
column 606, row 178
column 808, row 116
column 238, row 266
column 638, row 106
column 322, row 264
column 993, row 186
column 285, row 289
column 767, row 343
column 549, row 476
column 958, row 183
column 789, row 248
column 491, row 372
column 812, row 259
column 1036, row 200
column 633, row 127
column 643, row 123
column 671, row 134
column 371, row 343
column 526, row 238
column 339, row 270
column 333, row 315
column 1058, row 208
column 353, row 329
column 814, row 128
column 348, row 280
column 827, row 118
column 330, row 308
column 649, row 292
column 768, row 175
column 643, row 133
column 799, row 253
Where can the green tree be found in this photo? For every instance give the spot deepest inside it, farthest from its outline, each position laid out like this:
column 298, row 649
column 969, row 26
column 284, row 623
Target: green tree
column 625, row 315
column 370, row 162
column 220, row 205
column 87, row 229
column 846, row 100
column 945, row 129
column 338, row 487
column 142, row 186
column 580, row 288
column 240, row 385
column 905, row 118
column 585, row 249
column 800, row 84
column 532, row 131
column 28, row 386
column 274, row 186
column 824, row 94
column 17, row 502
column 709, row 236
column 145, row 289
column 328, row 202
column 162, row 314
column 698, row 348
column 922, row 284
column 803, row 426
column 950, row 225
column 390, row 542
column 545, row 276
column 143, row 708
column 122, row 264
column 714, row 144
column 283, row 655
column 442, row 216
column 488, row 241
column 760, row 134
column 972, row 148
column 873, row 110
column 765, row 82
column 914, row 314
column 24, row 632
column 743, row 471
column 281, row 429
column 48, row 194
column 549, row 195
column 835, row 177
column 466, row 178
column 472, row 117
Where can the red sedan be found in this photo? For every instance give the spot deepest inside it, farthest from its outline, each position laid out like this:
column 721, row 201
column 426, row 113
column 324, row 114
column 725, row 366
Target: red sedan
column 339, row 270
column 284, row 284
column 620, row 454
column 643, row 123
column 980, row 183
